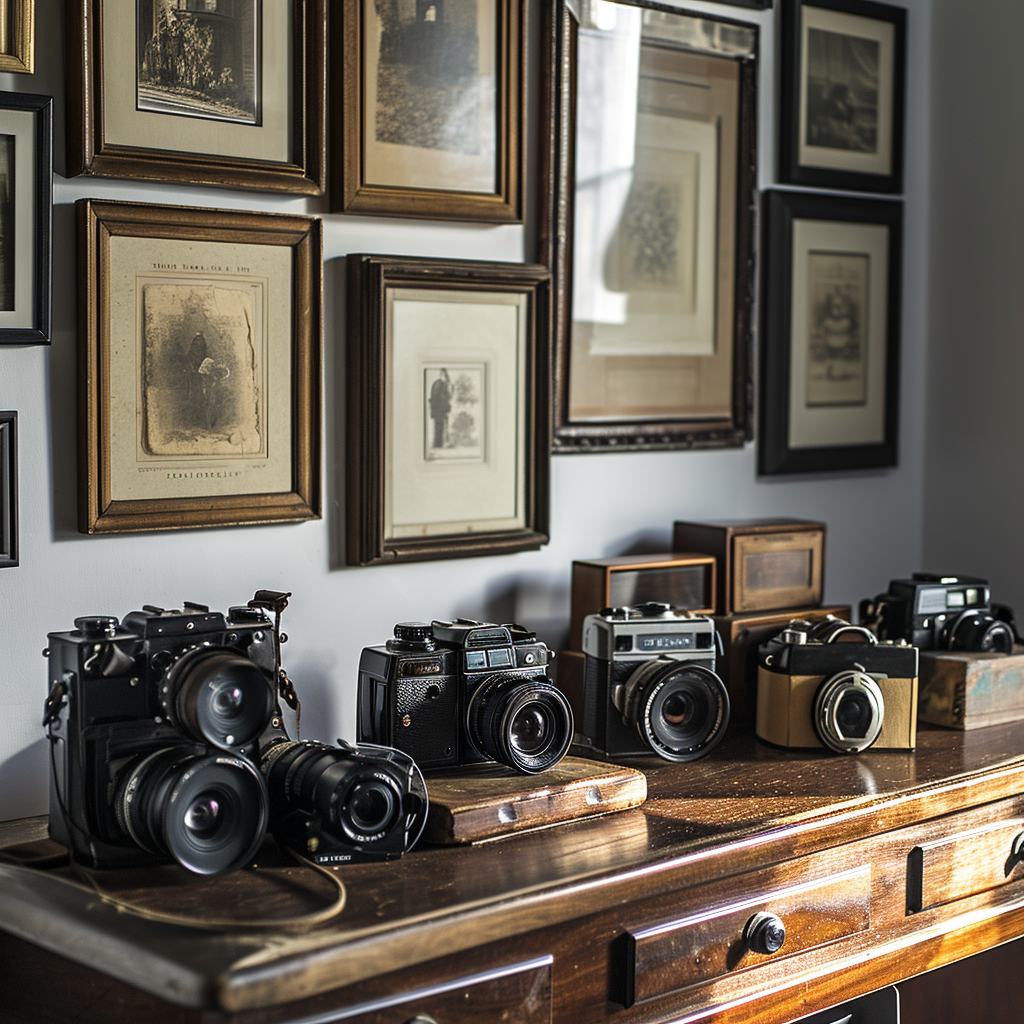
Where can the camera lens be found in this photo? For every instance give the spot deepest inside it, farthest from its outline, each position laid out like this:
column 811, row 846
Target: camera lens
column 978, row 631
column 207, row 813
column 679, row 710
column 848, row 712
column 353, row 797
column 219, row 696
column 525, row 724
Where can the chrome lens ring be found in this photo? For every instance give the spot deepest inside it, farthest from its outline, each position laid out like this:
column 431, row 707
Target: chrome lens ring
column 848, row 712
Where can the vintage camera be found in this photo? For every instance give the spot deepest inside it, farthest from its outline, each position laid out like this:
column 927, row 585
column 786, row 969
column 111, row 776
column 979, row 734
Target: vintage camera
column 650, row 683
column 153, row 726
column 461, row 692
column 343, row 804
column 941, row 613
column 831, row 684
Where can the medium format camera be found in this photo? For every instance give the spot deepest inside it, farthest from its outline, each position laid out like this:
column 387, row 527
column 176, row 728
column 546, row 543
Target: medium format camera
column 650, row 683
column 941, row 613
column 462, row 692
column 343, row 804
column 831, row 684
column 153, row 726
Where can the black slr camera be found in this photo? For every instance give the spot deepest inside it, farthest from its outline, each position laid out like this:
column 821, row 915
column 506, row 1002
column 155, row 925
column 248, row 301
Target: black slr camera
column 153, row 726
column 941, row 613
column 650, row 683
column 462, row 692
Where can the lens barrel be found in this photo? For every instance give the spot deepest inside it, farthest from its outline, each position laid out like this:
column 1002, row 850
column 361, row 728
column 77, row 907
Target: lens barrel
column 979, row 631
column 209, row 813
column 679, row 710
column 520, row 722
column 848, row 712
column 219, row 696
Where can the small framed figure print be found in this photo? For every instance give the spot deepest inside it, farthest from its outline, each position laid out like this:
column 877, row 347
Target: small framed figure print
column 428, row 112
column 843, row 94
column 8, row 489
column 26, row 212
column 448, row 445
column 207, row 92
column 199, row 367
column 831, row 326
column 17, row 35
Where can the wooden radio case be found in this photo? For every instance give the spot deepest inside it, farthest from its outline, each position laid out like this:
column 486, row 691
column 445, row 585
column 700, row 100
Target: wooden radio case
column 763, row 564
column 684, row 581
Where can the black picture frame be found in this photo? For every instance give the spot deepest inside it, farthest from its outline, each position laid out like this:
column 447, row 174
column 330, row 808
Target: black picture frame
column 8, row 489
column 852, row 164
column 32, row 220
column 813, row 249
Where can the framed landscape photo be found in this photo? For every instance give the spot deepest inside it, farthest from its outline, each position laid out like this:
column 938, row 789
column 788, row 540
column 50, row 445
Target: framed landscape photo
column 843, row 94
column 448, row 443
column 647, row 224
column 199, row 367
column 205, row 92
column 831, row 302
column 26, row 218
column 17, row 35
column 427, row 114
column 8, row 489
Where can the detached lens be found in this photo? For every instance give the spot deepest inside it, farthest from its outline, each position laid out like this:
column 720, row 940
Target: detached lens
column 207, row 813
column 219, row 696
column 848, row 712
column 525, row 724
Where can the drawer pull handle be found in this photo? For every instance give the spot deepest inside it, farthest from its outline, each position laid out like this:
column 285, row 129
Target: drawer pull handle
column 421, row 1018
column 1016, row 852
column 765, row 933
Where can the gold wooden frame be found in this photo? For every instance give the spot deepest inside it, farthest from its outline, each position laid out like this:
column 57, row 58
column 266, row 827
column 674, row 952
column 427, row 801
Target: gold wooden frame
column 18, row 41
column 98, row 222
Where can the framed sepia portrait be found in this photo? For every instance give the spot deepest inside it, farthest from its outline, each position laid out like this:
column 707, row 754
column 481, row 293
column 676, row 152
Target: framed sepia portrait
column 8, row 489
column 26, row 218
column 843, row 94
column 206, row 92
column 831, row 327
column 448, row 443
column 647, row 225
column 18, row 35
column 428, row 112
column 199, row 367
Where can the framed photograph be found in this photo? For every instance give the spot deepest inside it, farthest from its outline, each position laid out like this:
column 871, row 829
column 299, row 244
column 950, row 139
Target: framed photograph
column 428, row 112
column 199, row 367
column 448, row 443
column 8, row 489
column 831, row 303
column 206, row 92
column 843, row 94
column 647, row 224
column 26, row 217
column 18, row 35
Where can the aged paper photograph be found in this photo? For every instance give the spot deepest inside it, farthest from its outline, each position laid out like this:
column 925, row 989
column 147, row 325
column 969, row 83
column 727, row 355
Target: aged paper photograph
column 455, row 411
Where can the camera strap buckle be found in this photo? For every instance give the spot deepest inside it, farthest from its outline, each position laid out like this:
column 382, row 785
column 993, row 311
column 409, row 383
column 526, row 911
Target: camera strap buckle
column 55, row 702
column 276, row 601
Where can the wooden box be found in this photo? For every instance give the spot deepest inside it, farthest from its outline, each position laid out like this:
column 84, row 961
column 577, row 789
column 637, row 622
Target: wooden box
column 763, row 564
column 741, row 636
column 968, row 690
column 685, row 581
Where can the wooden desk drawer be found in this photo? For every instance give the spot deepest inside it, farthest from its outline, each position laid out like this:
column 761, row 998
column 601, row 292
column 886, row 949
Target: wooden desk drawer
column 519, row 994
column 965, row 864
column 706, row 946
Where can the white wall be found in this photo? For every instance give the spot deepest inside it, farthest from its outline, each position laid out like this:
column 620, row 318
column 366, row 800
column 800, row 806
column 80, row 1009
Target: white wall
column 601, row 504
column 975, row 497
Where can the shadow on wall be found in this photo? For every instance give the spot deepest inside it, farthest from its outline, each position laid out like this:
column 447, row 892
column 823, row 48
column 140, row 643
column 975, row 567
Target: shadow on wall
column 25, row 780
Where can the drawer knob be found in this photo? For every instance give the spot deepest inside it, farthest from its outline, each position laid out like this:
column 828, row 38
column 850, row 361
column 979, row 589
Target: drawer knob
column 765, row 933
column 421, row 1018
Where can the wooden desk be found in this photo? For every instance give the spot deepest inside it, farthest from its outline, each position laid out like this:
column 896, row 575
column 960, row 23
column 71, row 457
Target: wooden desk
column 881, row 867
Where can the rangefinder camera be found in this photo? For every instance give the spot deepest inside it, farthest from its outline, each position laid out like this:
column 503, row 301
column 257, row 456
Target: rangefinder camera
column 941, row 613
column 650, row 683
column 464, row 692
column 835, row 685
column 153, row 727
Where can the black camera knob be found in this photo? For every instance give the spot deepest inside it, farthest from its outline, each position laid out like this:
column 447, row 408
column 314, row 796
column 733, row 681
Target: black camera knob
column 96, row 626
column 411, row 632
column 765, row 933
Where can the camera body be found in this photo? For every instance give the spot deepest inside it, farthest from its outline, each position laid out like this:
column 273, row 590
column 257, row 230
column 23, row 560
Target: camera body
column 831, row 684
column 650, row 683
column 166, row 707
column 463, row 692
column 941, row 613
